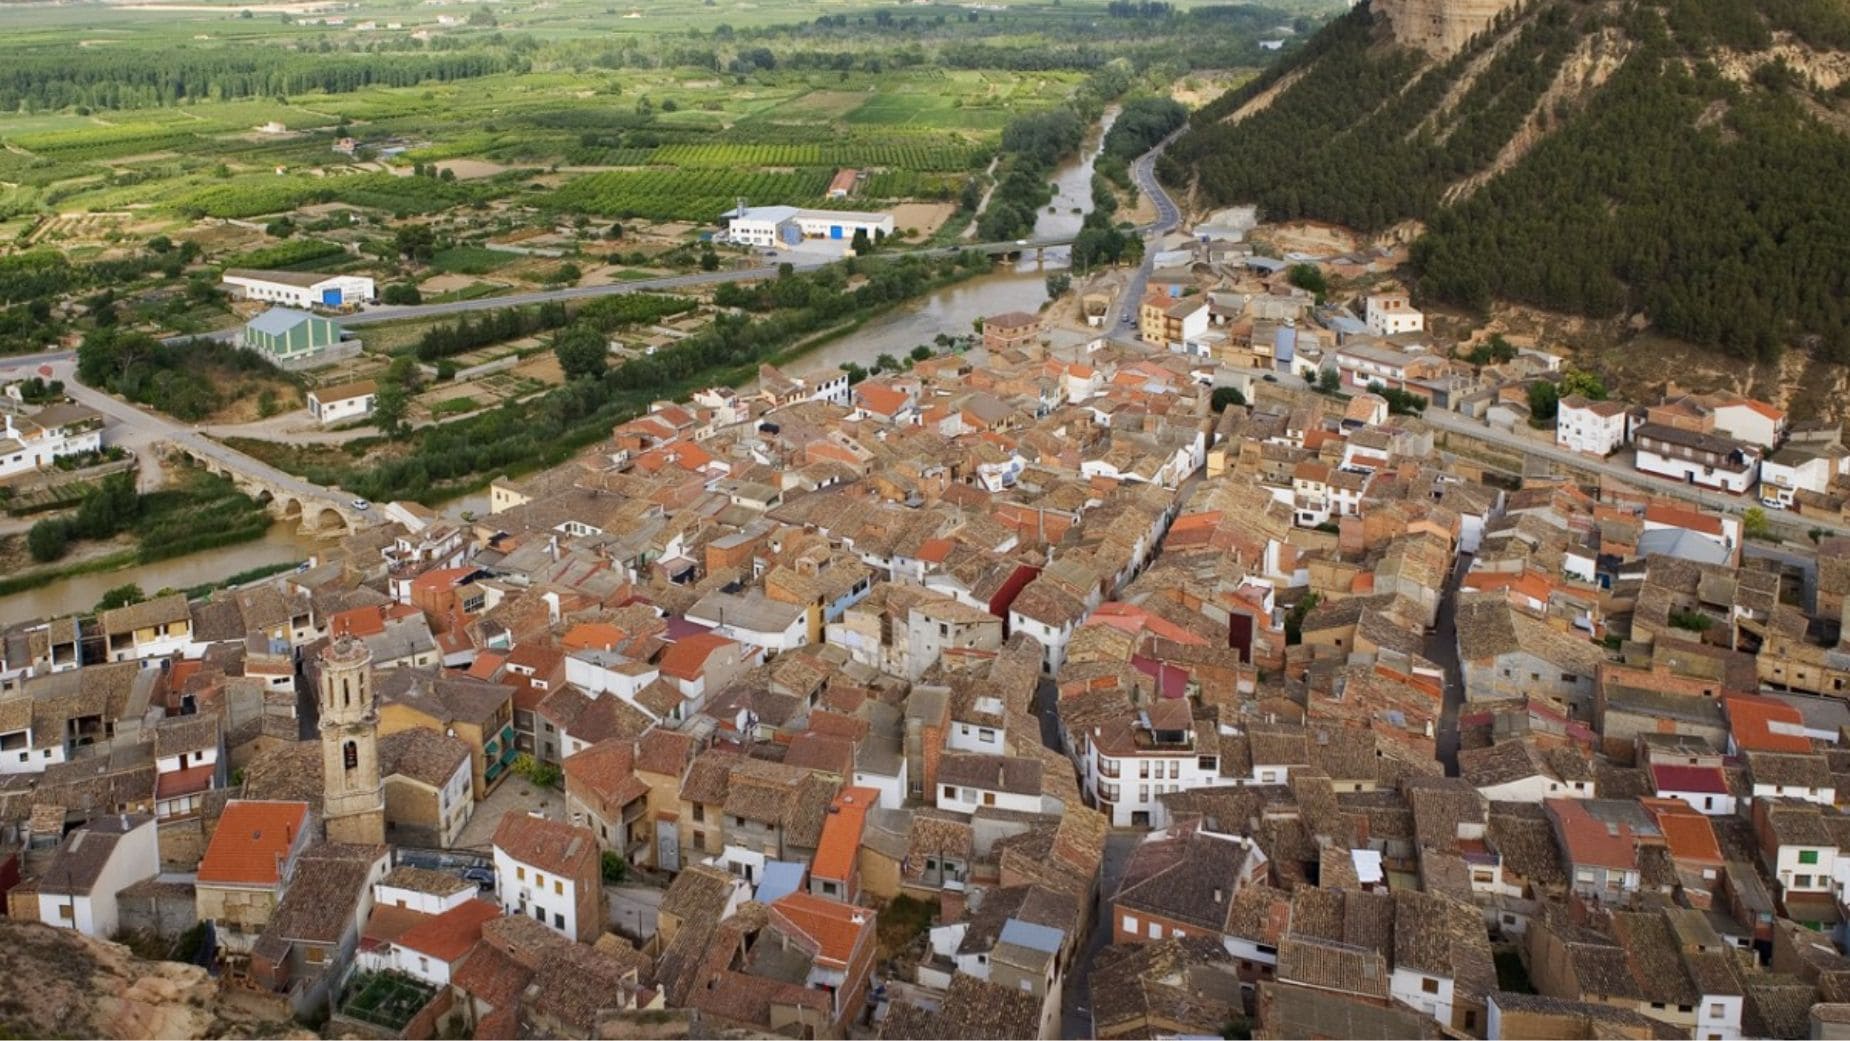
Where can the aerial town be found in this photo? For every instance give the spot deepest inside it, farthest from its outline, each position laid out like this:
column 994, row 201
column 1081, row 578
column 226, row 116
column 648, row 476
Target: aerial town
column 1216, row 674
column 1003, row 520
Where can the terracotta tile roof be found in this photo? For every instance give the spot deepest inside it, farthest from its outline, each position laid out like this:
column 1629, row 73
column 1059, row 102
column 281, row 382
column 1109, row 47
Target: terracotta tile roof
column 450, row 935
column 686, row 658
column 841, row 833
column 1686, row 831
column 553, row 846
column 251, row 841
column 1750, row 720
column 1673, row 777
column 833, row 928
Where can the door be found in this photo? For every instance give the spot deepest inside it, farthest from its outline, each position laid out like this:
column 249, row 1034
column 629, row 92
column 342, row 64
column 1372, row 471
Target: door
column 835, row 231
column 667, row 846
column 331, row 297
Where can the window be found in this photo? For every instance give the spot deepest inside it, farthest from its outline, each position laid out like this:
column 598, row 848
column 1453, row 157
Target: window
column 989, row 798
column 1717, row 1010
column 700, row 813
column 1808, row 856
column 314, row 955
column 950, row 791
column 1156, row 930
column 539, row 879
column 520, row 873
column 1130, row 924
column 558, row 887
column 65, row 911
column 1429, row 985
column 1801, row 881
column 558, row 920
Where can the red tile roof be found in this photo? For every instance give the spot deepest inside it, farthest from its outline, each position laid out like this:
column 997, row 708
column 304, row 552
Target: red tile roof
column 453, row 933
column 1678, row 517
column 1589, row 841
column 834, row 928
column 252, row 839
column 184, row 782
column 553, row 846
column 1703, row 780
column 1750, row 720
column 1687, row 833
column 840, row 845
column 686, row 658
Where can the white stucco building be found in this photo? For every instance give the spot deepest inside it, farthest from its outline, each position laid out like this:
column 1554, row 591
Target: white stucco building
column 92, row 866
column 1594, row 427
column 1391, row 314
column 781, row 227
column 34, row 442
column 300, row 288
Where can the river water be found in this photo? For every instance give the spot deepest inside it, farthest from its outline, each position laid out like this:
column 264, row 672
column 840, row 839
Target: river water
column 952, row 310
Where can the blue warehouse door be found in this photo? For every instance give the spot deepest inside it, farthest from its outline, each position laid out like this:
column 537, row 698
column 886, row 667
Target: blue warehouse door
column 835, row 231
column 330, row 297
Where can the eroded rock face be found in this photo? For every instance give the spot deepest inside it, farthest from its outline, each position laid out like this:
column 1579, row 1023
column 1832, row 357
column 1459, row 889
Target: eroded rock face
column 1440, row 27
column 59, row 983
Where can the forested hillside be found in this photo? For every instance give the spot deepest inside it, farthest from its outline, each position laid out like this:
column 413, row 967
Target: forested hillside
column 1686, row 160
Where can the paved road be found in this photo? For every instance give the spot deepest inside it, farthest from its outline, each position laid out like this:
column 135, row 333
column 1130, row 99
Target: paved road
column 1168, row 216
column 1442, row 650
column 1076, row 1000
column 145, row 429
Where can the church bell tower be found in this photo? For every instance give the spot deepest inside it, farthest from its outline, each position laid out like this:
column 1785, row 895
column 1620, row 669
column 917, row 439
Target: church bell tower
column 353, row 801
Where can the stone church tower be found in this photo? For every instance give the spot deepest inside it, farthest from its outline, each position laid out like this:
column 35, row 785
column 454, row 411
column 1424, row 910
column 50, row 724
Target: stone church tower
column 353, row 801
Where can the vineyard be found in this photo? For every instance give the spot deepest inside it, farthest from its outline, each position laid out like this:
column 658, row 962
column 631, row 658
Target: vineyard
column 401, row 196
column 105, row 142
column 671, row 194
column 932, row 157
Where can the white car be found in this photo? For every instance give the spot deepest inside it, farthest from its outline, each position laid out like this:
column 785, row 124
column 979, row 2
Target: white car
column 1021, row 242
column 361, row 504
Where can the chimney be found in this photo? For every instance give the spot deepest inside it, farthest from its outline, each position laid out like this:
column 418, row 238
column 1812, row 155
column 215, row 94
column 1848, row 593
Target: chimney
column 1218, row 895
column 858, row 918
column 1001, row 772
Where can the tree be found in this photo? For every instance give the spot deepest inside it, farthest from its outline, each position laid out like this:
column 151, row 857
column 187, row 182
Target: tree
column 47, row 539
column 415, row 242
column 401, row 293
column 121, row 596
column 568, row 274
column 1224, row 396
column 1329, row 381
column 886, row 363
column 1586, row 384
column 709, row 260
column 1755, row 525
column 920, row 353
column 389, row 407
column 1544, row 401
column 615, row 868
column 1309, row 277
column 1058, row 283
column 582, row 352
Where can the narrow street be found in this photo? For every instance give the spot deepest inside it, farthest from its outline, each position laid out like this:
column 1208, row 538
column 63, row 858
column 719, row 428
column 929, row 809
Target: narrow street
column 1442, row 650
column 1076, row 1001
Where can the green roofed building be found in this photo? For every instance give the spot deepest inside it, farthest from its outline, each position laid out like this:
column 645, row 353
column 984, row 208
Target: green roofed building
column 296, row 339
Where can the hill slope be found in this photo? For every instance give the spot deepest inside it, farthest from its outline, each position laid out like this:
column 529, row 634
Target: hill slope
column 1686, row 160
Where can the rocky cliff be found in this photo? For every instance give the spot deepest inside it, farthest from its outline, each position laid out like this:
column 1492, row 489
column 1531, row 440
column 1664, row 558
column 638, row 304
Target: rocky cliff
column 1440, row 27
column 62, row 984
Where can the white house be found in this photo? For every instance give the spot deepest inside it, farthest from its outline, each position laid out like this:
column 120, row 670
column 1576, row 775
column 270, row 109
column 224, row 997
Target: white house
column 430, row 949
column 781, row 227
column 1795, row 468
column 1754, row 422
column 1702, row 460
column 970, row 782
column 345, row 401
column 1704, row 788
column 91, row 868
column 300, row 288
column 37, row 441
column 1391, row 314
column 753, row 619
column 1593, row 427
column 550, row 871
column 1128, row 765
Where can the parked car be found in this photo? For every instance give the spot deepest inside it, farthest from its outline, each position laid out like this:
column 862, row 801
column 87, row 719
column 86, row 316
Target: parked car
column 362, row 504
column 481, row 876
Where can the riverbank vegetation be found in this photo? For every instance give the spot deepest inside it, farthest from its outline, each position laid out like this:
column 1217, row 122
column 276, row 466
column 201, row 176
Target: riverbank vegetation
column 195, row 513
column 187, row 379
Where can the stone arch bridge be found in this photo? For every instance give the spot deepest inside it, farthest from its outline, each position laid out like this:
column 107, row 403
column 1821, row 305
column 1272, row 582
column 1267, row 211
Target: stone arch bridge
column 319, row 510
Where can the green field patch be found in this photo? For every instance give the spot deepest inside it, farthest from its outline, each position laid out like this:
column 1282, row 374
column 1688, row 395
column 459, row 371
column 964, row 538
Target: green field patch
column 701, row 195
column 470, row 260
